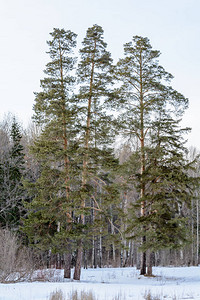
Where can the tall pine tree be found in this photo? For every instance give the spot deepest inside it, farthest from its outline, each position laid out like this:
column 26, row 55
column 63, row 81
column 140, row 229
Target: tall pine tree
column 145, row 96
column 50, row 213
column 94, row 77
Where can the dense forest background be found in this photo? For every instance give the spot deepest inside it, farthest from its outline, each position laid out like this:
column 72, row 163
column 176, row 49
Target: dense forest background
column 102, row 176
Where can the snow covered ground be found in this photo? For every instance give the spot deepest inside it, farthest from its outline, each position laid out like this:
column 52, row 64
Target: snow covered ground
column 114, row 283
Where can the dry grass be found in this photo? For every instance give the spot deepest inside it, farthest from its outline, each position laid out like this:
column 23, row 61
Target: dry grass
column 149, row 296
column 58, row 295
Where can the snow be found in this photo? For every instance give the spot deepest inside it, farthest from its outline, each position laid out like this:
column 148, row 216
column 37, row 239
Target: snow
column 174, row 283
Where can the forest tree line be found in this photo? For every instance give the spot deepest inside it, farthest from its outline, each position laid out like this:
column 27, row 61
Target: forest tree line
column 75, row 197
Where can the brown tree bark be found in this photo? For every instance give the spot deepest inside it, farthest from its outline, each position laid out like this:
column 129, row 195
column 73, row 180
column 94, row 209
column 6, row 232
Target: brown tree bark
column 150, row 264
column 77, row 271
column 67, row 263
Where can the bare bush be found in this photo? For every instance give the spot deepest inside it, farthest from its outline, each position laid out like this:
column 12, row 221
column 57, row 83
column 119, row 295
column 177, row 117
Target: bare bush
column 58, row 295
column 15, row 259
column 50, row 275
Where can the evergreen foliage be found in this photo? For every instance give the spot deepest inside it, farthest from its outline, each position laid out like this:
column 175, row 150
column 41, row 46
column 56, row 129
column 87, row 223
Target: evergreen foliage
column 50, row 211
column 169, row 189
column 11, row 174
column 85, row 205
column 151, row 108
column 73, row 148
column 94, row 77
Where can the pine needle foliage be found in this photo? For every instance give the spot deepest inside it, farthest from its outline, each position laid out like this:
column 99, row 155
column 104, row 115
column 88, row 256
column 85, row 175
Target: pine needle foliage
column 55, row 112
column 97, row 134
column 151, row 112
column 12, row 170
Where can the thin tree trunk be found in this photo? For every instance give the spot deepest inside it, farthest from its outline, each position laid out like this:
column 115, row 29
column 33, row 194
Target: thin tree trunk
column 114, row 256
column 143, row 263
column 58, row 261
column 94, row 264
column 67, row 263
column 131, row 264
column 100, row 250
column 142, row 193
column 192, row 231
column 58, row 257
column 142, row 166
column 49, row 259
column 197, row 203
column 113, row 232
column 108, row 258
column 124, row 254
column 85, row 262
column 94, row 261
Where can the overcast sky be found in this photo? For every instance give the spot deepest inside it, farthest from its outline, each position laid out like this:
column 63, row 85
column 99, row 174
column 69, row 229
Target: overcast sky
column 173, row 27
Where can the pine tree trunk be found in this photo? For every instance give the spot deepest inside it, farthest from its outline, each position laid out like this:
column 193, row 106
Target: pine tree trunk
column 67, row 264
column 150, row 264
column 143, row 263
column 77, row 270
column 142, row 165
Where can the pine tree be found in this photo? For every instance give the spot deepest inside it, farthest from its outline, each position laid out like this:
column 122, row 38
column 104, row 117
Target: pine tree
column 50, row 212
column 169, row 190
column 146, row 95
column 94, row 77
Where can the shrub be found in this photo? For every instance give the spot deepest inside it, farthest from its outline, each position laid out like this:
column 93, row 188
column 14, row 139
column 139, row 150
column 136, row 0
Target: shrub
column 15, row 259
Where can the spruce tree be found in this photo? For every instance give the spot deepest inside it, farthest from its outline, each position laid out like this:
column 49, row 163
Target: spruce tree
column 11, row 174
column 50, row 212
column 144, row 95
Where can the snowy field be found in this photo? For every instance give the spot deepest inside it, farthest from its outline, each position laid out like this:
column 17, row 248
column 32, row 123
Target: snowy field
column 110, row 283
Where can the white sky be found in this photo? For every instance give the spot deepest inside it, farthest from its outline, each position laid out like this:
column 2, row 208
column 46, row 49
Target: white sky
column 173, row 27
